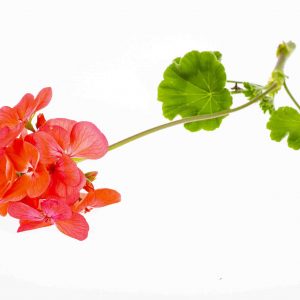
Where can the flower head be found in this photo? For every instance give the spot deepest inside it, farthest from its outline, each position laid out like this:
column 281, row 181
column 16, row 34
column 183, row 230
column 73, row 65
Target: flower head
column 40, row 181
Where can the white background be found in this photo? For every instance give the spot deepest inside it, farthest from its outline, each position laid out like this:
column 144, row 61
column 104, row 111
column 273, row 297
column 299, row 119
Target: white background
column 207, row 215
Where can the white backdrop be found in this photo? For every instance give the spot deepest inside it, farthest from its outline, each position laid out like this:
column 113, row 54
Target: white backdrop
column 203, row 215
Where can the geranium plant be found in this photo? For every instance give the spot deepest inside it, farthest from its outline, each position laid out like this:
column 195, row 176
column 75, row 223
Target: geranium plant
column 41, row 183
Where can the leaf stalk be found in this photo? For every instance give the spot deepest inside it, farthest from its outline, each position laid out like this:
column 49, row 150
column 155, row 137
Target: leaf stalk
column 192, row 119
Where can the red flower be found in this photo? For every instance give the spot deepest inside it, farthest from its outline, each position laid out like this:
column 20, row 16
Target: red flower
column 40, row 182
column 81, row 140
column 13, row 120
column 59, row 141
column 66, row 180
column 52, row 212
column 33, row 177
column 29, row 105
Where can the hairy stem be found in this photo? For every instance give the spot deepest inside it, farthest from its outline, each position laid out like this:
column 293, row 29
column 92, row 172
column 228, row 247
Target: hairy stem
column 192, row 119
column 290, row 95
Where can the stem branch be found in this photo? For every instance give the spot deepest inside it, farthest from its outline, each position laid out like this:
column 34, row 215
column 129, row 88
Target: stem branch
column 291, row 96
column 192, row 119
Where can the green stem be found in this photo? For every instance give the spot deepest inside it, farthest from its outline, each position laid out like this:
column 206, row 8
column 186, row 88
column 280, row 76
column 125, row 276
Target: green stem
column 290, row 94
column 284, row 51
column 233, row 81
column 192, row 119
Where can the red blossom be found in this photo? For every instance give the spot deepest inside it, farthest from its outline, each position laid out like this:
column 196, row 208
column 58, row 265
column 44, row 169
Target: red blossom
column 40, row 181
column 33, row 177
column 77, row 139
column 52, row 212
column 13, row 120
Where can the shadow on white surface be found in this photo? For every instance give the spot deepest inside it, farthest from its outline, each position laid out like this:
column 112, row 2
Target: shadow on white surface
column 12, row 288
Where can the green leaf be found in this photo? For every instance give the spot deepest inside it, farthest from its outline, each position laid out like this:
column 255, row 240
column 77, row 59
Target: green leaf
column 253, row 90
column 218, row 55
column 195, row 85
column 285, row 121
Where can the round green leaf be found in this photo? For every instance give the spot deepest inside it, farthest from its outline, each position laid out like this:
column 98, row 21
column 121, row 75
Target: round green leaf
column 195, row 85
column 285, row 121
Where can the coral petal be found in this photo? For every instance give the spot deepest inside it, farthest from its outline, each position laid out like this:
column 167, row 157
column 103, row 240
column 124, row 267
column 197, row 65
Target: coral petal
column 43, row 98
column 84, row 203
column 60, row 134
column 8, row 135
column 8, row 117
column 3, row 209
column 87, row 141
column 67, row 171
column 23, row 211
column 23, row 154
column 8, row 174
column 105, row 197
column 76, row 227
column 18, row 191
column 29, row 225
column 97, row 198
column 39, row 182
column 56, row 209
column 40, row 120
column 25, row 108
column 64, row 123
column 49, row 149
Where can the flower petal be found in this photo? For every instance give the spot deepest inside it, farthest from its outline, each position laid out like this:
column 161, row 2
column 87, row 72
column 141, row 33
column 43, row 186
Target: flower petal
column 60, row 134
column 18, row 191
column 43, row 98
column 76, row 227
column 49, row 149
column 65, row 187
column 83, row 204
column 105, row 197
column 25, row 108
column 3, row 209
column 56, row 209
column 23, row 211
column 68, row 194
column 3, row 134
column 8, row 117
column 8, row 174
column 40, row 121
column 8, row 135
column 39, row 182
column 15, row 153
column 23, row 155
column 32, row 202
column 66, row 124
column 67, row 171
column 97, row 198
column 87, row 141
column 29, row 225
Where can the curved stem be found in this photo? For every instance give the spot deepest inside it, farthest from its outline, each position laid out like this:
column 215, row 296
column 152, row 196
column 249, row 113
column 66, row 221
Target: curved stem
column 290, row 95
column 192, row 119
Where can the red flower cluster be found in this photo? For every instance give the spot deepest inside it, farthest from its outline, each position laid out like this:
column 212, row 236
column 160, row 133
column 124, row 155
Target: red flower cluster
column 40, row 182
